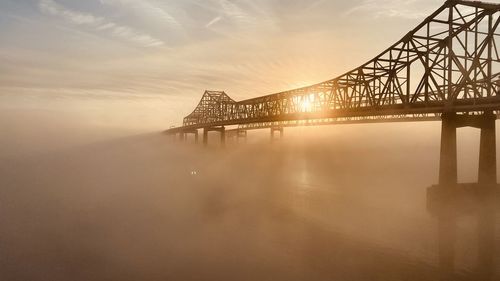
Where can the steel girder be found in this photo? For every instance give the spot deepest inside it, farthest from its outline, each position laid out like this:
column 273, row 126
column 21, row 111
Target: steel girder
column 448, row 63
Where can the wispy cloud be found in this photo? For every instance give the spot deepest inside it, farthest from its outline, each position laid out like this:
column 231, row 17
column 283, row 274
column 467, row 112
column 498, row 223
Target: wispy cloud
column 213, row 21
column 233, row 11
column 388, row 8
column 147, row 9
column 53, row 8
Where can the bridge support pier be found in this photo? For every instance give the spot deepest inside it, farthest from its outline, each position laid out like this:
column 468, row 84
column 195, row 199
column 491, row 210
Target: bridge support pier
column 221, row 130
column 487, row 184
column 448, row 199
column 182, row 137
column 447, row 184
column 241, row 134
column 185, row 135
column 276, row 129
column 205, row 137
column 223, row 137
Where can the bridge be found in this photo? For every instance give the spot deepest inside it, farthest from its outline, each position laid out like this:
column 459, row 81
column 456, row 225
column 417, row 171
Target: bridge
column 448, row 63
column 446, row 69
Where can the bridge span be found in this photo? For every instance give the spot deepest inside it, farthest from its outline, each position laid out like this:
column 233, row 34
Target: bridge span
column 446, row 69
column 448, row 63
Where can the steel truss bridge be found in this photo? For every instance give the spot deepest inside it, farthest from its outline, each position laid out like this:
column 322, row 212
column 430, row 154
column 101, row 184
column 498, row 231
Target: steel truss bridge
column 447, row 69
column 448, row 63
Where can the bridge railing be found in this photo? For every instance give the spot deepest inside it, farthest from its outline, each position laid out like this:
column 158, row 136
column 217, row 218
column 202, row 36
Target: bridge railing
column 449, row 62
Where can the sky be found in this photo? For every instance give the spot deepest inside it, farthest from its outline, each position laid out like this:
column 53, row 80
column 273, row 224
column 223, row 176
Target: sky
column 146, row 63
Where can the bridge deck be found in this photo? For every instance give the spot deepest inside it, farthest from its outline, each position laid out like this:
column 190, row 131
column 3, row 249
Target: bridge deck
column 448, row 63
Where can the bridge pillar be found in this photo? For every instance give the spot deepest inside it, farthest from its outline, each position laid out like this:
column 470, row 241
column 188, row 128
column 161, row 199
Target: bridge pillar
column 205, row 136
column 448, row 199
column 241, row 134
column 274, row 129
column 487, row 174
column 221, row 130
column 223, row 137
column 181, row 137
column 446, row 187
column 185, row 135
column 487, row 185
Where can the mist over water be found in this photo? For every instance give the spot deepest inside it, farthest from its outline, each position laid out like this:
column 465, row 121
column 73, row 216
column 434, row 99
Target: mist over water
column 328, row 203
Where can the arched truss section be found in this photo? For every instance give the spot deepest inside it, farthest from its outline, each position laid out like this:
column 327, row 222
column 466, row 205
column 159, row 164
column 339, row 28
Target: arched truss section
column 210, row 108
column 449, row 62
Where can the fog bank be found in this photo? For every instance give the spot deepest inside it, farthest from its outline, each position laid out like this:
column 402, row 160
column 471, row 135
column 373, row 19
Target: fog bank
column 337, row 202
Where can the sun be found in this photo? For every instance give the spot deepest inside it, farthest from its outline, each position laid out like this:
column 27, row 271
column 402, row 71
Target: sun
column 306, row 105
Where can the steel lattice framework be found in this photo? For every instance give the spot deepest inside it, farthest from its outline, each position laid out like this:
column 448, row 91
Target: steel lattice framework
column 212, row 105
column 448, row 63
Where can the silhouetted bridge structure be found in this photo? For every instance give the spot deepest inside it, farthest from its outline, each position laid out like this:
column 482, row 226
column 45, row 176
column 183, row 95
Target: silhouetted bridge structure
column 447, row 68
column 448, row 63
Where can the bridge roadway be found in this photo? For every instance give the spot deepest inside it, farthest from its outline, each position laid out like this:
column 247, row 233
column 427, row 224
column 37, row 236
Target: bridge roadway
column 447, row 68
column 448, row 63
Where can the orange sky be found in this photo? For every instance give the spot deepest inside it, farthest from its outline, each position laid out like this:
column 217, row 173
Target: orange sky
column 145, row 63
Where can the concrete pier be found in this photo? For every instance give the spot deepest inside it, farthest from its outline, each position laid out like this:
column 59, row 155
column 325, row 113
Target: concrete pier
column 222, row 132
column 186, row 133
column 447, row 186
column 448, row 200
column 241, row 134
column 487, row 185
column 276, row 129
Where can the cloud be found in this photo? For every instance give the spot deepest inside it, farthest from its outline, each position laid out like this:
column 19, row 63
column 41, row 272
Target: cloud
column 388, row 8
column 147, row 9
column 50, row 7
column 215, row 20
column 233, row 11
